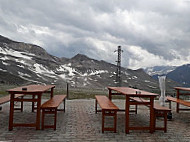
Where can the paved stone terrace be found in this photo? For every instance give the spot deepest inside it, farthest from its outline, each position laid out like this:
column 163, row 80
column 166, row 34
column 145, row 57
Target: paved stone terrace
column 80, row 123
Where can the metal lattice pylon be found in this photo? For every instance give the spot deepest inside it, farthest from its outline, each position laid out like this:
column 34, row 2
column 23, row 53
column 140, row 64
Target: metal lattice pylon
column 118, row 72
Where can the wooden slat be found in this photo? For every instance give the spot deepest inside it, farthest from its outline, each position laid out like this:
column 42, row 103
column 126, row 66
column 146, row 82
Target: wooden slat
column 186, row 103
column 54, row 102
column 105, row 103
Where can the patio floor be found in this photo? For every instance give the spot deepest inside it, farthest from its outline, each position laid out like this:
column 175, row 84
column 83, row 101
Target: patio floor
column 80, row 123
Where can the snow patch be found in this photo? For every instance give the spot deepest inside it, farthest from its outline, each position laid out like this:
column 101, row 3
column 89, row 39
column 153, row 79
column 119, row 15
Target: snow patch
column 67, row 68
column 23, row 74
column 98, row 72
column 11, row 52
column 4, row 63
column 134, row 77
column 3, row 70
column 41, row 69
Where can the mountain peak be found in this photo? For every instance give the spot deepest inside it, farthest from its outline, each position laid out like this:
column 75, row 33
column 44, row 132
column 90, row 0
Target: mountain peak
column 80, row 57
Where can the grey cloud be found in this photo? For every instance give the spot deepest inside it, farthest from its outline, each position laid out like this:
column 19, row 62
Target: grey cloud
column 158, row 27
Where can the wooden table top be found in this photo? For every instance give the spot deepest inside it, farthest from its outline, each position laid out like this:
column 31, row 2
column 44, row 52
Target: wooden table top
column 31, row 88
column 132, row 92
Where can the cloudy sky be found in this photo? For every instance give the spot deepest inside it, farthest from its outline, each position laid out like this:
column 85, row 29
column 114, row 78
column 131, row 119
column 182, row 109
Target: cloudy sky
column 150, row 32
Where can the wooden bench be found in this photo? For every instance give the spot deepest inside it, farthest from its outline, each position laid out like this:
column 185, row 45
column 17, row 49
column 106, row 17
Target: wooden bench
column 7, row 98
column 159, row 111
column 51, row 107
column 178, row 101
column 108, row 108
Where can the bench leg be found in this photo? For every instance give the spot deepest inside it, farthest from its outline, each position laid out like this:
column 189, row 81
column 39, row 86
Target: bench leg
column 49, row 111
column 115, row 121
column 33, row 104
column 110, row 113
column 55, row 118
column 64, row 104
column 170, row 104
column 136, row 107
column 103, row 119
column 21, row 103
column 155, row 120
column 177, row 104
column 165, row 122
column 43, row 113
column 164, row 115
column 11, row 113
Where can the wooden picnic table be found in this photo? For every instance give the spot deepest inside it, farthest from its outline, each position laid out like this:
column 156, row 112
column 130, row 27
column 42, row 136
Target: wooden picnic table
column 130, row 92
column 34, row 90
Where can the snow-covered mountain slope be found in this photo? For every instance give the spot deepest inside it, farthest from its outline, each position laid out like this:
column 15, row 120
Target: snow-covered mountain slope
column 22, row 63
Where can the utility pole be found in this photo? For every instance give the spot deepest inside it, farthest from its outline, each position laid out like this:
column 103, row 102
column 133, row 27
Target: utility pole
column 118, row 72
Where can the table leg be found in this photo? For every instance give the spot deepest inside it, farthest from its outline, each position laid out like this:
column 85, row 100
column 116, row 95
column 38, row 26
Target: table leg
column 11, row 113
column 110, row 94
column 33, row 104
column 127, row 115
column 177, row 104
column 52, row 92
column 152, row 119
column 38, row 112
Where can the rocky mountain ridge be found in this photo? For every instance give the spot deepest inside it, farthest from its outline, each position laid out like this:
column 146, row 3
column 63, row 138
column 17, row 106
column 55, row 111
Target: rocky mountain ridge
column 178, row 74
column 22, row 63
column 181, row 75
